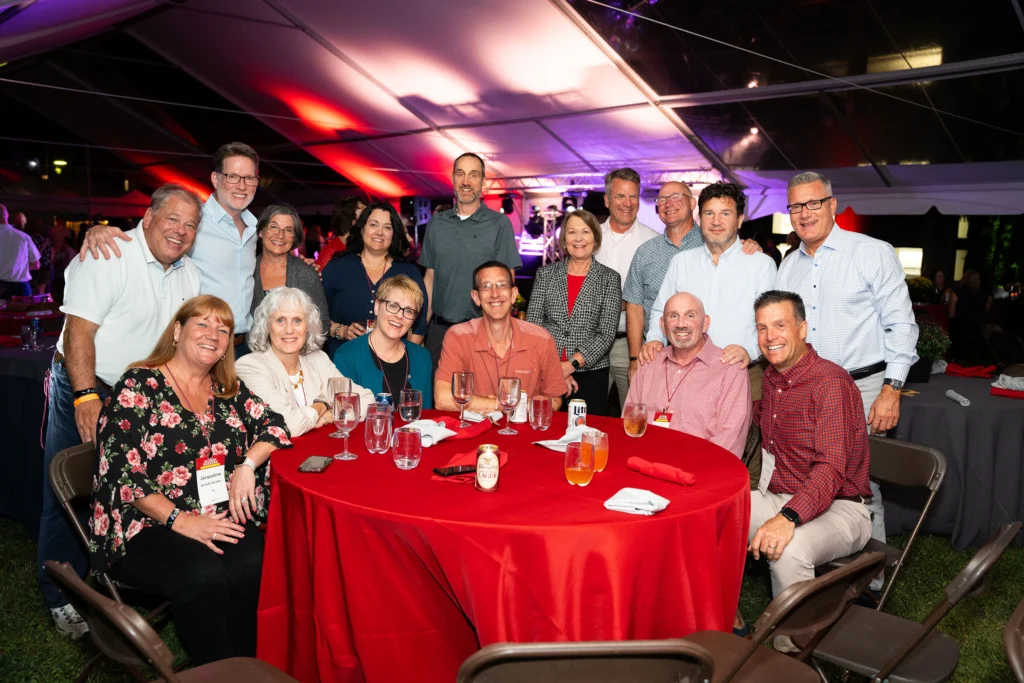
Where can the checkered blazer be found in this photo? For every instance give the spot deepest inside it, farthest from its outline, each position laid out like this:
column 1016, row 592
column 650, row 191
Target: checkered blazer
column 595, row 316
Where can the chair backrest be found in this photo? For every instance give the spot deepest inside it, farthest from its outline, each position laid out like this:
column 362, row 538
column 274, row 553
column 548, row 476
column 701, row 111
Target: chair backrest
column 1013, row 641
column 651, row 661
column 71, row 473
column 907, row 464
column 120, row 632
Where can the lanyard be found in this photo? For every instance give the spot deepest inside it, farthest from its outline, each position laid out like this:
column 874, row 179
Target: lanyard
column 204, row 422
column 508, row 363
column 671, row 394
column 380, row 366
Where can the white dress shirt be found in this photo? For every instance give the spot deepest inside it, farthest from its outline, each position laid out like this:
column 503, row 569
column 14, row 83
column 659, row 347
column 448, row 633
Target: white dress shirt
column 227, row 260
column 858, row 305
column 617, row 251
column 17, row 253
column 131, row 298
column 727, row 291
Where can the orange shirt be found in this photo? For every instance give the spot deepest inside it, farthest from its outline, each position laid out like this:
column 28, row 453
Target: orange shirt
column 531, row 357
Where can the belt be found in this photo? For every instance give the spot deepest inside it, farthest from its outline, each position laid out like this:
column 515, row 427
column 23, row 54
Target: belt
column 855, row 499
column 868, row 370
column 58, row 358
column 620, row 335
column 239, row 338
column 443, row 321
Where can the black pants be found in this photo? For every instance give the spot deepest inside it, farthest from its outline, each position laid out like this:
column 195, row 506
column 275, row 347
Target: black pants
column 593, row 389
column 434, row 341
column 214, row 597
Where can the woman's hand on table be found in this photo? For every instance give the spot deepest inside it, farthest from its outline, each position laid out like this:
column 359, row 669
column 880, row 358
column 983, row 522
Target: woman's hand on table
column 203, row 528
column 327, row 417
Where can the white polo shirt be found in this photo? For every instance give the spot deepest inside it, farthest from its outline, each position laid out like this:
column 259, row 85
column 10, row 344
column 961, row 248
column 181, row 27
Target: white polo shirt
column 131, row 298
column 617, row 251
column 17, row 253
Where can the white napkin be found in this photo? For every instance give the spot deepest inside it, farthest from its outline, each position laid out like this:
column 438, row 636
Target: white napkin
column 636, row 502
column 958, row 398
column 1007, row 382
column 572, row 435
column 477, row 417
column 431, row 432
column 939, row 367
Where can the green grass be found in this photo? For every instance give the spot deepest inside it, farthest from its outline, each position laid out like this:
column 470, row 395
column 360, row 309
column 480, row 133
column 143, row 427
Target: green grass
column 32, row 652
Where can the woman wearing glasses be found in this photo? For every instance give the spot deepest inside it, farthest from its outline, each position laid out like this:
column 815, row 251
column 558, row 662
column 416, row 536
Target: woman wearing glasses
column 384, row 360
column 373, row 254
column 279, row 230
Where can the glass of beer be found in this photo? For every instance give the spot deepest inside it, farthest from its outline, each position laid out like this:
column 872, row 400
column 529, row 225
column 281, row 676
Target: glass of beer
column 634, row 419
column 599, row 442
column 579, row 463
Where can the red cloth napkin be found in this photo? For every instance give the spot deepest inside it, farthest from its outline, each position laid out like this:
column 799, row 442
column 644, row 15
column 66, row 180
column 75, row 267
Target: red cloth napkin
column 985, row 371
column 6, row 341
column 661, row 471
column 471, row 432
column 467, row 459
column 1009, row 393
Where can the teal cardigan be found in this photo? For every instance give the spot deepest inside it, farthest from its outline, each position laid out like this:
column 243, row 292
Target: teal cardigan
column 354, row 360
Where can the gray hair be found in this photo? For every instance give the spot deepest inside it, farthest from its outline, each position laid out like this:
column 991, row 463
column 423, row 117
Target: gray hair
column 165, row 192
column 808, row 177
column 620, row 174
column 282, row 210
column 289, row 299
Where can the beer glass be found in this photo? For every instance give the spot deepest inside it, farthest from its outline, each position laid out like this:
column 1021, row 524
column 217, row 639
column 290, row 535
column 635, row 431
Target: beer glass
column 634, row 419
column 407, row 447
column 579, row 463
column 599, row 442
column 540, row 413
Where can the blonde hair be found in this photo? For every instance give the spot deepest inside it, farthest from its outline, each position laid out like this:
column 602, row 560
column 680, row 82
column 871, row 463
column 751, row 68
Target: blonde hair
column 223, row 371
column 588, row 218
column 401, row 283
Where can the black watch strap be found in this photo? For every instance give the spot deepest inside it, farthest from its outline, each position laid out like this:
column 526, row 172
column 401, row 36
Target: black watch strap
column 576, row 364
column 791, row 515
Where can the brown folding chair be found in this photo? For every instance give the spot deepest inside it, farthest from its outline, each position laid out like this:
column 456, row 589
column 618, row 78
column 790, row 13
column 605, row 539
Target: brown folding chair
column 905, row 464
column 805, row 609
column 1013, row 640
column 138, row 643
column 885, row 647
column 652, row 661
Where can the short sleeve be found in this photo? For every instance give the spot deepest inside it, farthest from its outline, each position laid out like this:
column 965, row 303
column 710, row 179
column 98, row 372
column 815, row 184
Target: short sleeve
column 265, row 425
column 427, row 256
column 33, row 252
column 93, row 287
column 507, row 252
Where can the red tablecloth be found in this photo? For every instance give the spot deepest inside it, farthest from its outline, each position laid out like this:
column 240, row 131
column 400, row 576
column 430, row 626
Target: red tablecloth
column 376, row 574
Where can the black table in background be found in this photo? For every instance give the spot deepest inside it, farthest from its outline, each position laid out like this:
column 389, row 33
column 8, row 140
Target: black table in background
column 21, row 416
column 984, row 448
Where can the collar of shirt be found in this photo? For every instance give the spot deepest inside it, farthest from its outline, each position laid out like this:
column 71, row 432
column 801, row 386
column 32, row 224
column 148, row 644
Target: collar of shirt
column 148, row 255
column 725, row 255
column 483, row 343
column 218, row 215
column 606, row 227
column 834, row 242
column 477, row 215
column 795, row 373
column 703, row 356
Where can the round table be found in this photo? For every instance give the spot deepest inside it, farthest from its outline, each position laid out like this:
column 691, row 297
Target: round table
column 376, row 574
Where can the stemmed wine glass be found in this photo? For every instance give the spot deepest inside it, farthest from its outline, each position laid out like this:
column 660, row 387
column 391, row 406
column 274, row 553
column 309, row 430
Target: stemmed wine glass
column 346, row 417
column 462, row 392
column 508, row 398
column 336, row 386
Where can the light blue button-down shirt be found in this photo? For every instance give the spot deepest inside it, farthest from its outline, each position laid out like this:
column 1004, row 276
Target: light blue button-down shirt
column 227, row 261
column 727, row 291
column 858, row 305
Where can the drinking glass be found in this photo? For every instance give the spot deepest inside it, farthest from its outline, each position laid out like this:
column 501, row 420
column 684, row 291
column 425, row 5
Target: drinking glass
column 26, row 337
column 540, row 413
column 508, row 398
column 579, row 463
column 634, row 419
column 410, row 404
column 336, row 386
column 377, row 428
column 462, row 392
column 599, row 442
column 407, row 447
column 346, row 417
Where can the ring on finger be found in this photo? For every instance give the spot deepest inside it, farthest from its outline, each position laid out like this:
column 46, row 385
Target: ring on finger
column 214, row 536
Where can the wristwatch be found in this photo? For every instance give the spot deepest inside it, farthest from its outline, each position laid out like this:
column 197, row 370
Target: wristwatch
column 576, row 364
column 896, row 384
column 171, row 517
column 791, row 515
column 633, row 358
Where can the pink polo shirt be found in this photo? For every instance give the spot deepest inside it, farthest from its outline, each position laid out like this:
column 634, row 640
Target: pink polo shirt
column 709, row 399
column 532, row 357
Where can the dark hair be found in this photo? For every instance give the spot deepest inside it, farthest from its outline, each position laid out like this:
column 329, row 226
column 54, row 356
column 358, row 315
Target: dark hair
column 723, row 191
column 344, row 215
column 399, row 243
column 970, row 281
column 234, row 149
column 494, row 264
column 775, row 296
column 286, row 209
column 627, row 174
column 483, row 167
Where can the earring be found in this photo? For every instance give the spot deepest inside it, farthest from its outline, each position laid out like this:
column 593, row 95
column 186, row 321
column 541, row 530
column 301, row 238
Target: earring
column 175, row 341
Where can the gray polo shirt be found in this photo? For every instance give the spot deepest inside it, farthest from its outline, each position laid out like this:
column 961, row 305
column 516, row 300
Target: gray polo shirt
column 454, row 247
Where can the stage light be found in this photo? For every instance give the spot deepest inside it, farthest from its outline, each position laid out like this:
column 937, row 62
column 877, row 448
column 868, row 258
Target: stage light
column 754, row 131
column 33, row 163
column 753, row 83
column 508, row 205
column 57, row 170
column 59, row 162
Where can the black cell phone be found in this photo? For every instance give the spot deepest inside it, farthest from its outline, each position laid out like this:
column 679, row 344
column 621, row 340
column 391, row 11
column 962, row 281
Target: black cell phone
column 316, row 463
column 452, row 471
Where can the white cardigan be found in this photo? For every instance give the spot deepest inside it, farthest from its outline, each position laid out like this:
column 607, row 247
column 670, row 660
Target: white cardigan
column 266, row 377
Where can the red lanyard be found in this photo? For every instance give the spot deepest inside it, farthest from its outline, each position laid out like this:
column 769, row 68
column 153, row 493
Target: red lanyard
column 508, row 363
column 202, row 420
column 380, row 365
column 671, row 394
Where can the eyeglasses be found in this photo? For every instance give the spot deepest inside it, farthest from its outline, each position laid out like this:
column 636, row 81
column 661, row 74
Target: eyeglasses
column 233, row 178
column 395, row 307
column 674, row 197
column 278, row 230
column 488, row 286
column 812, row 205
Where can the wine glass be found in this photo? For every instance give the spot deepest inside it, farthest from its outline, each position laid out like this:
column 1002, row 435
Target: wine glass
column 508, row 398
column 540, row 413
column 346, row 417
column 377, row 428
column 410, row 404
column 335, row 386
column 462, row 392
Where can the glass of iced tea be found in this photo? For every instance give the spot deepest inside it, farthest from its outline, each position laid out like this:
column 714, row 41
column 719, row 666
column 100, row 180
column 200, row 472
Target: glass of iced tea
column 579, row 463
column 599, row 442
column 634, row 419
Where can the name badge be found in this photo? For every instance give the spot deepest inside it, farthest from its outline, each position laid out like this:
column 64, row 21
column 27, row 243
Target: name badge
column 767, row 469
column 211, row 480
column 662, row 420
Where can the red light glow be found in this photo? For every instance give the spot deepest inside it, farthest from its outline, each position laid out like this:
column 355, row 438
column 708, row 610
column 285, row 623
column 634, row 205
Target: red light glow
column 316, row 113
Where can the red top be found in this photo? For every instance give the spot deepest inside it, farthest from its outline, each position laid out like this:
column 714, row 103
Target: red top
column 812, row 421
column 575, row 284
column 335, row 246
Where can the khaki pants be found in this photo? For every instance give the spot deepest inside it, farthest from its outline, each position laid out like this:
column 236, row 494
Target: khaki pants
column 839, row 531
column 618, row 369
column 870, row 387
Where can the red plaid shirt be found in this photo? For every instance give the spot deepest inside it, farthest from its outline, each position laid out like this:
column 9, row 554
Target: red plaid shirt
column 812, row 421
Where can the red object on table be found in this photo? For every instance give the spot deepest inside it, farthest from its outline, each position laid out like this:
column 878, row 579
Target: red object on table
column 375, row 574
column 474, row 430
column 660, row 470
column 984, row 371
column 1009, row 393
column 463, row 459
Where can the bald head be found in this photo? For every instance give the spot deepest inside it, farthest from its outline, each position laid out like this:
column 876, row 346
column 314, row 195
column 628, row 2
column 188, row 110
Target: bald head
column 3, row 213
column 685, row 323
column 675, row 205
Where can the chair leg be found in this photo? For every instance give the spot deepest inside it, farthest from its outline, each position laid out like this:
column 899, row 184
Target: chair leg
column 135, row 673
column 817, row 667
column 84, row 675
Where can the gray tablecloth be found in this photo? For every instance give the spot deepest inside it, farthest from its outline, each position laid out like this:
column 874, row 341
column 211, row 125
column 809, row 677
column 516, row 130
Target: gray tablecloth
column 984, row 449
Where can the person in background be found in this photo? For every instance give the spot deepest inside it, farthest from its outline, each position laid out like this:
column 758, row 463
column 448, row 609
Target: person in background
column 346, row 212
column 18, row 257
column 968, row 305
column 313, row 243
column 279, row 229
column 63, row 255
column 374, row 253
column 793, row 240
column 180, row 406
column 943, row 293
column 43, row 275
column 767, row 244
column 578, row 301
column 115, row 312
column 384, row 360
column 286, row 368
column 59, row 230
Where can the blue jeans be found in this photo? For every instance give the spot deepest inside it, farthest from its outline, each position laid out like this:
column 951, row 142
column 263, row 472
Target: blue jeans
column 57, row 538
column 9, row 289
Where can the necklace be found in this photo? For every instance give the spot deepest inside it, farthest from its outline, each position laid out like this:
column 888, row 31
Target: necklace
column 374, row 269
column 296, row 385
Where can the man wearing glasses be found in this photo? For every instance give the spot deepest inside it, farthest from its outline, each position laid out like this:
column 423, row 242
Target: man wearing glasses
column 225, row 246
column 859, row 314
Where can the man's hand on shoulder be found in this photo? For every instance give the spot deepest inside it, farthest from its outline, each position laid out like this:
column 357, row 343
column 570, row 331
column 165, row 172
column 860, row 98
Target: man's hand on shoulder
column 751, row 247
column 649, row 350
column 101, row 238
column 734, row 354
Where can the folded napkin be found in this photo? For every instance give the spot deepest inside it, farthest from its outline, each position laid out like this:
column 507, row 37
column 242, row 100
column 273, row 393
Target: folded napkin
column 1007, row 382
column 431, row 432
column 572, row 435
column 636, row 502
column 660, row 470
column 471, row 432
column 958, row 398
column 464, row 459
column 970, row 371
column 477, row 417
